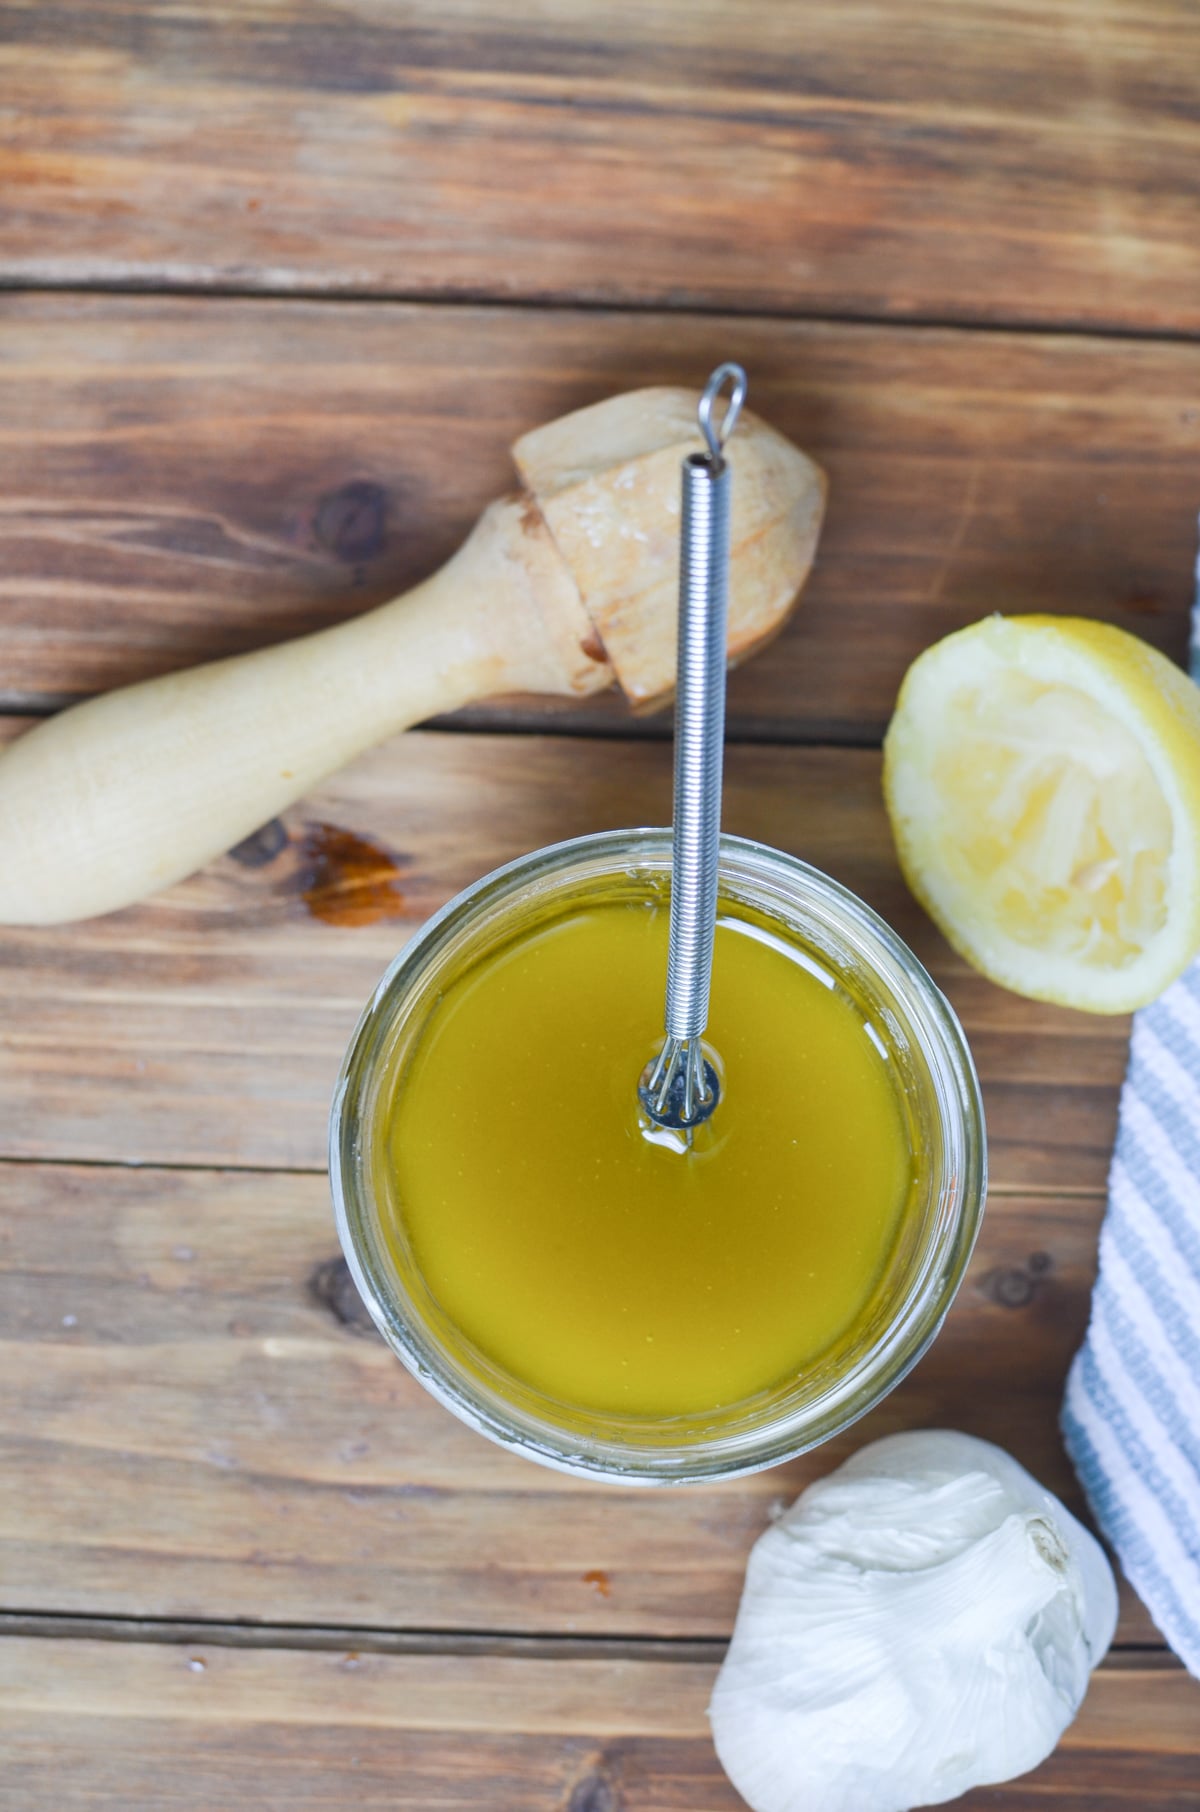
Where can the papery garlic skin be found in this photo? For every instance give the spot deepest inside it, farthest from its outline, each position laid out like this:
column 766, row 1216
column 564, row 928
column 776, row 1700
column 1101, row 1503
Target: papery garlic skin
column 921, row 1622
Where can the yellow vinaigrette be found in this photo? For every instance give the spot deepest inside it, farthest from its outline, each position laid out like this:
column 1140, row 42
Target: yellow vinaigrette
column 581, row 1250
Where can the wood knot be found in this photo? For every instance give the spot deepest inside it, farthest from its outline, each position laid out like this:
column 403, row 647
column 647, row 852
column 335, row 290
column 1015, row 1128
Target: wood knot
column 351, row 522
column 347, row 879
column 261, row 846
column 332, row 1286
column 1014, row 1286
column 596, row 1792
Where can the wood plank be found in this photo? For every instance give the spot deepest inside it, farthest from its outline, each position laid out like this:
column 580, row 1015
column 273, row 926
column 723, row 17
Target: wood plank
column 91, row 1723
column 995, row 161
column 183, row 479
column 206, row 1027
column 194, row 1424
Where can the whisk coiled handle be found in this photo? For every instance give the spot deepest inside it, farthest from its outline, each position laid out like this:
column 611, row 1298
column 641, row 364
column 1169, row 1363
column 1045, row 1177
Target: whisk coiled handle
column 681, row 1088
column 699, row 741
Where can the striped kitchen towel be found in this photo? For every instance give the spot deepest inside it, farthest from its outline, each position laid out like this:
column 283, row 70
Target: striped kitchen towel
column 1131, row 1418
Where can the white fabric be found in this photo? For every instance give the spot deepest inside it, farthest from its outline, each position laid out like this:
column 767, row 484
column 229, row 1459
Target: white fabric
column 1131, row 1418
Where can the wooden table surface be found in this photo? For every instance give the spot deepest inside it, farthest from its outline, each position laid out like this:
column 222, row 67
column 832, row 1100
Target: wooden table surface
column 283, row 279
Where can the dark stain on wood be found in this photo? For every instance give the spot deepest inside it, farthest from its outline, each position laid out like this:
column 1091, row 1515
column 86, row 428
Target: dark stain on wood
column 348, row 880
column 332, row 1286
column 598, row 1791
column 262, row 846
column 351, row 522
column 597, row 1577
column 1014, row 1286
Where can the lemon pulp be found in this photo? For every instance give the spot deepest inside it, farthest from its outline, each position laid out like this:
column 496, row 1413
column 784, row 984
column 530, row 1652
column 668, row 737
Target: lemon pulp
column 1053, row 814
column 610, row 1269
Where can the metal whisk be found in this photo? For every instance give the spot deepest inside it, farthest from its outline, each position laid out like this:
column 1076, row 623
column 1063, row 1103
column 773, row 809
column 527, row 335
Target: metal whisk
column 680, row 1088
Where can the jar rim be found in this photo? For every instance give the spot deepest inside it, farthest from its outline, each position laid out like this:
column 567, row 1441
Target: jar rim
column 928, row 1018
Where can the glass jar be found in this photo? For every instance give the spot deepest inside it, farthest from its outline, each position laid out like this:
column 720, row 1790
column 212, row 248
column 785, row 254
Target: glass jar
column 940, row 1097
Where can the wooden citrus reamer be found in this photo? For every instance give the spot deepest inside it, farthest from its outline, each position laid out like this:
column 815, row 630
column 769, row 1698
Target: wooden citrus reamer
column 560, row 589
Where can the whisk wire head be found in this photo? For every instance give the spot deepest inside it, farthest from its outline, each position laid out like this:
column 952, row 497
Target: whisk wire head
column 680, row 1088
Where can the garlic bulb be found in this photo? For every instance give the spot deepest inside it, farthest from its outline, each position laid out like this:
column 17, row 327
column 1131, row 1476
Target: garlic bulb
column 921, row 1622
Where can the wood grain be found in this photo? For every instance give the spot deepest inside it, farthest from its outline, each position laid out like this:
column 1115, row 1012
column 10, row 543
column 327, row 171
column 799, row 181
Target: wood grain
column 90, row 1724
column 987, row 162
column 182, row 479
column 196, row 1422
column 206, row 1026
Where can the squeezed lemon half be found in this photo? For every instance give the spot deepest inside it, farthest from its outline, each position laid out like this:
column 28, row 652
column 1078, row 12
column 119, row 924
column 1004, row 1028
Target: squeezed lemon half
column 1042, row 776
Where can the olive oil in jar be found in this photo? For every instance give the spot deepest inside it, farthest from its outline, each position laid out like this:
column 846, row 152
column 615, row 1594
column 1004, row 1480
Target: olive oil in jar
column 607, row 1263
